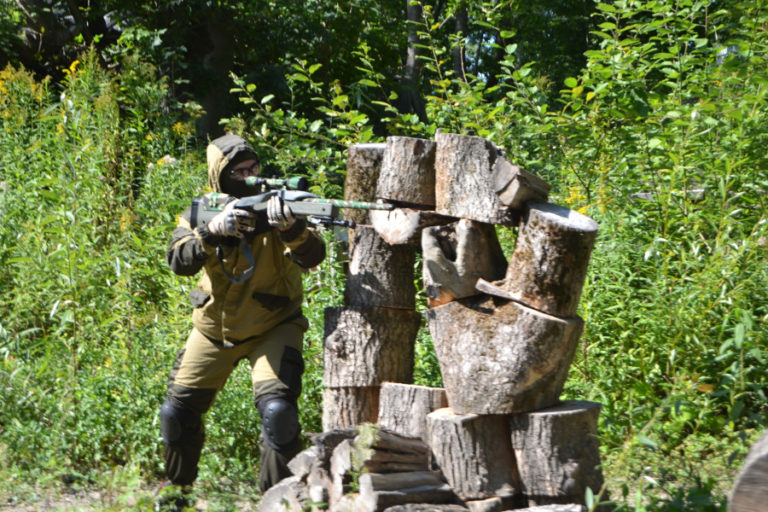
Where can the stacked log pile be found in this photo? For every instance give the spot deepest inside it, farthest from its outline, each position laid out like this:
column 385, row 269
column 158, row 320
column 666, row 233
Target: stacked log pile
column 505, row 331
column 370, row 340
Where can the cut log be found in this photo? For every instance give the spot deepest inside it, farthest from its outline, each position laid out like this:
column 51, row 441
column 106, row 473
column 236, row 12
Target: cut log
column 558, row 452
column 327, row 441
column 341, row 471
column 501, row 357
column 379, row 274
column 474, row 453
column 464, row 179
column 426, row 507
column 363, row 167
column 549, row 264
column 456, row 256
column 368, row 346
column 348, row 407
column 289, row 494
column 372, row 436
column 403, row 408
column 750, row 491
column 378, row 449
column 379, row 492
column 404, row 225
column 301, row 465
column 488, row 505
column 408, row 172
column 515, row 187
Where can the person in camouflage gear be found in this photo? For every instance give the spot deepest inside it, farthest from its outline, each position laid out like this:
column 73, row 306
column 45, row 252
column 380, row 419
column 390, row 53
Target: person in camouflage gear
column 257, row 317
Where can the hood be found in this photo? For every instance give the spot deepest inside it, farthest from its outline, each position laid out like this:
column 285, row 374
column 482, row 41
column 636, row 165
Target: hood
column 222, row 152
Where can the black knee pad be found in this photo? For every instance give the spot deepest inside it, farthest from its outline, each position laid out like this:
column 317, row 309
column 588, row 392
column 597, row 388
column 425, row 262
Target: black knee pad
column 178, row 423
column 279, row 421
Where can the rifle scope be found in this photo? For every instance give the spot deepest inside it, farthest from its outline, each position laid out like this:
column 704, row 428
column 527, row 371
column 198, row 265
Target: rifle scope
column 292, row 183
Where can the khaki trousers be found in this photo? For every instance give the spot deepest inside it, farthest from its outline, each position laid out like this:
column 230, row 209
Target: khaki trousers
column 201, row 370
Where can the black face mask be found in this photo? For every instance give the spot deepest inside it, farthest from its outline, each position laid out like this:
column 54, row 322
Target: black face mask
column 236, row 186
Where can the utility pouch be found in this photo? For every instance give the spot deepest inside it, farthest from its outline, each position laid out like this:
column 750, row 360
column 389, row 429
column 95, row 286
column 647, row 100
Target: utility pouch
column 198, row 297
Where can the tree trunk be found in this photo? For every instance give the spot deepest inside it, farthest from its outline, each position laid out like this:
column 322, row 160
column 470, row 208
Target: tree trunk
column 549, row 265
column 515, row 187
column 750, row 491
column 379, row 274
column 456, row 256
column 408, row 172
column 363, row 167
column 403, row 408
column 464, row 179
column 368, row 346
column 462, row 29
column 557, row 452
column 500, row 357
column 347, row 407
column 474, row 453
column 405, row 225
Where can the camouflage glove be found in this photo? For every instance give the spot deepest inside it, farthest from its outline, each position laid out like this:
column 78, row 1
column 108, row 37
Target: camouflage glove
column 279, row 214
column 232, row 221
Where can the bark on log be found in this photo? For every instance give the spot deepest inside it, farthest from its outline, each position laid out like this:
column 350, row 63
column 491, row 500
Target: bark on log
column 363, row 167
column 549, row 264
column 501, row 357
column 557, row 452
column 368, row 346
column 750, row 491
column 379, row 274
column 404, row 225
column 515, row 187
column 408, row 171
column 456, row 256
column 347, row 407
column 403, row 408
column 474, row 453
column 464, row 179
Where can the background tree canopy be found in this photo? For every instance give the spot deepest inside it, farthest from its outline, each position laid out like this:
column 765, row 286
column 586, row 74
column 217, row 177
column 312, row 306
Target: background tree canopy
column 647, row 116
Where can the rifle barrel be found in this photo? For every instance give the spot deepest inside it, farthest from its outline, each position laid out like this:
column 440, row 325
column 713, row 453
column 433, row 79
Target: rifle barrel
column 360, row 205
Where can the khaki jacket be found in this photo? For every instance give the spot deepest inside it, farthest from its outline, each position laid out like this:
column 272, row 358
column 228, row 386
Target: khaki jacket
column 232, row 313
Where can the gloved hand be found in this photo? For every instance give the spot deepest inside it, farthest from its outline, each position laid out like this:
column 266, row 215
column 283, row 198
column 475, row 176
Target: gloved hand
column 279, row 214
column 232, row 221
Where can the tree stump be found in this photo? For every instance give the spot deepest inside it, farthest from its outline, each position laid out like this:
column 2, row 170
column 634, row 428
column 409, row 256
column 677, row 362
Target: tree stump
column 408, row 172
column 750, row 490
column 557, row 452
column 363, row 168
column 474, row 453
column 456, row 256
column 349, row 406
column 501, row 357
column 379, row 274
column 403, row 408
column 464, row 179
column 549, row 264
column 404, row 225
column 368, row 346
column 515, row 187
